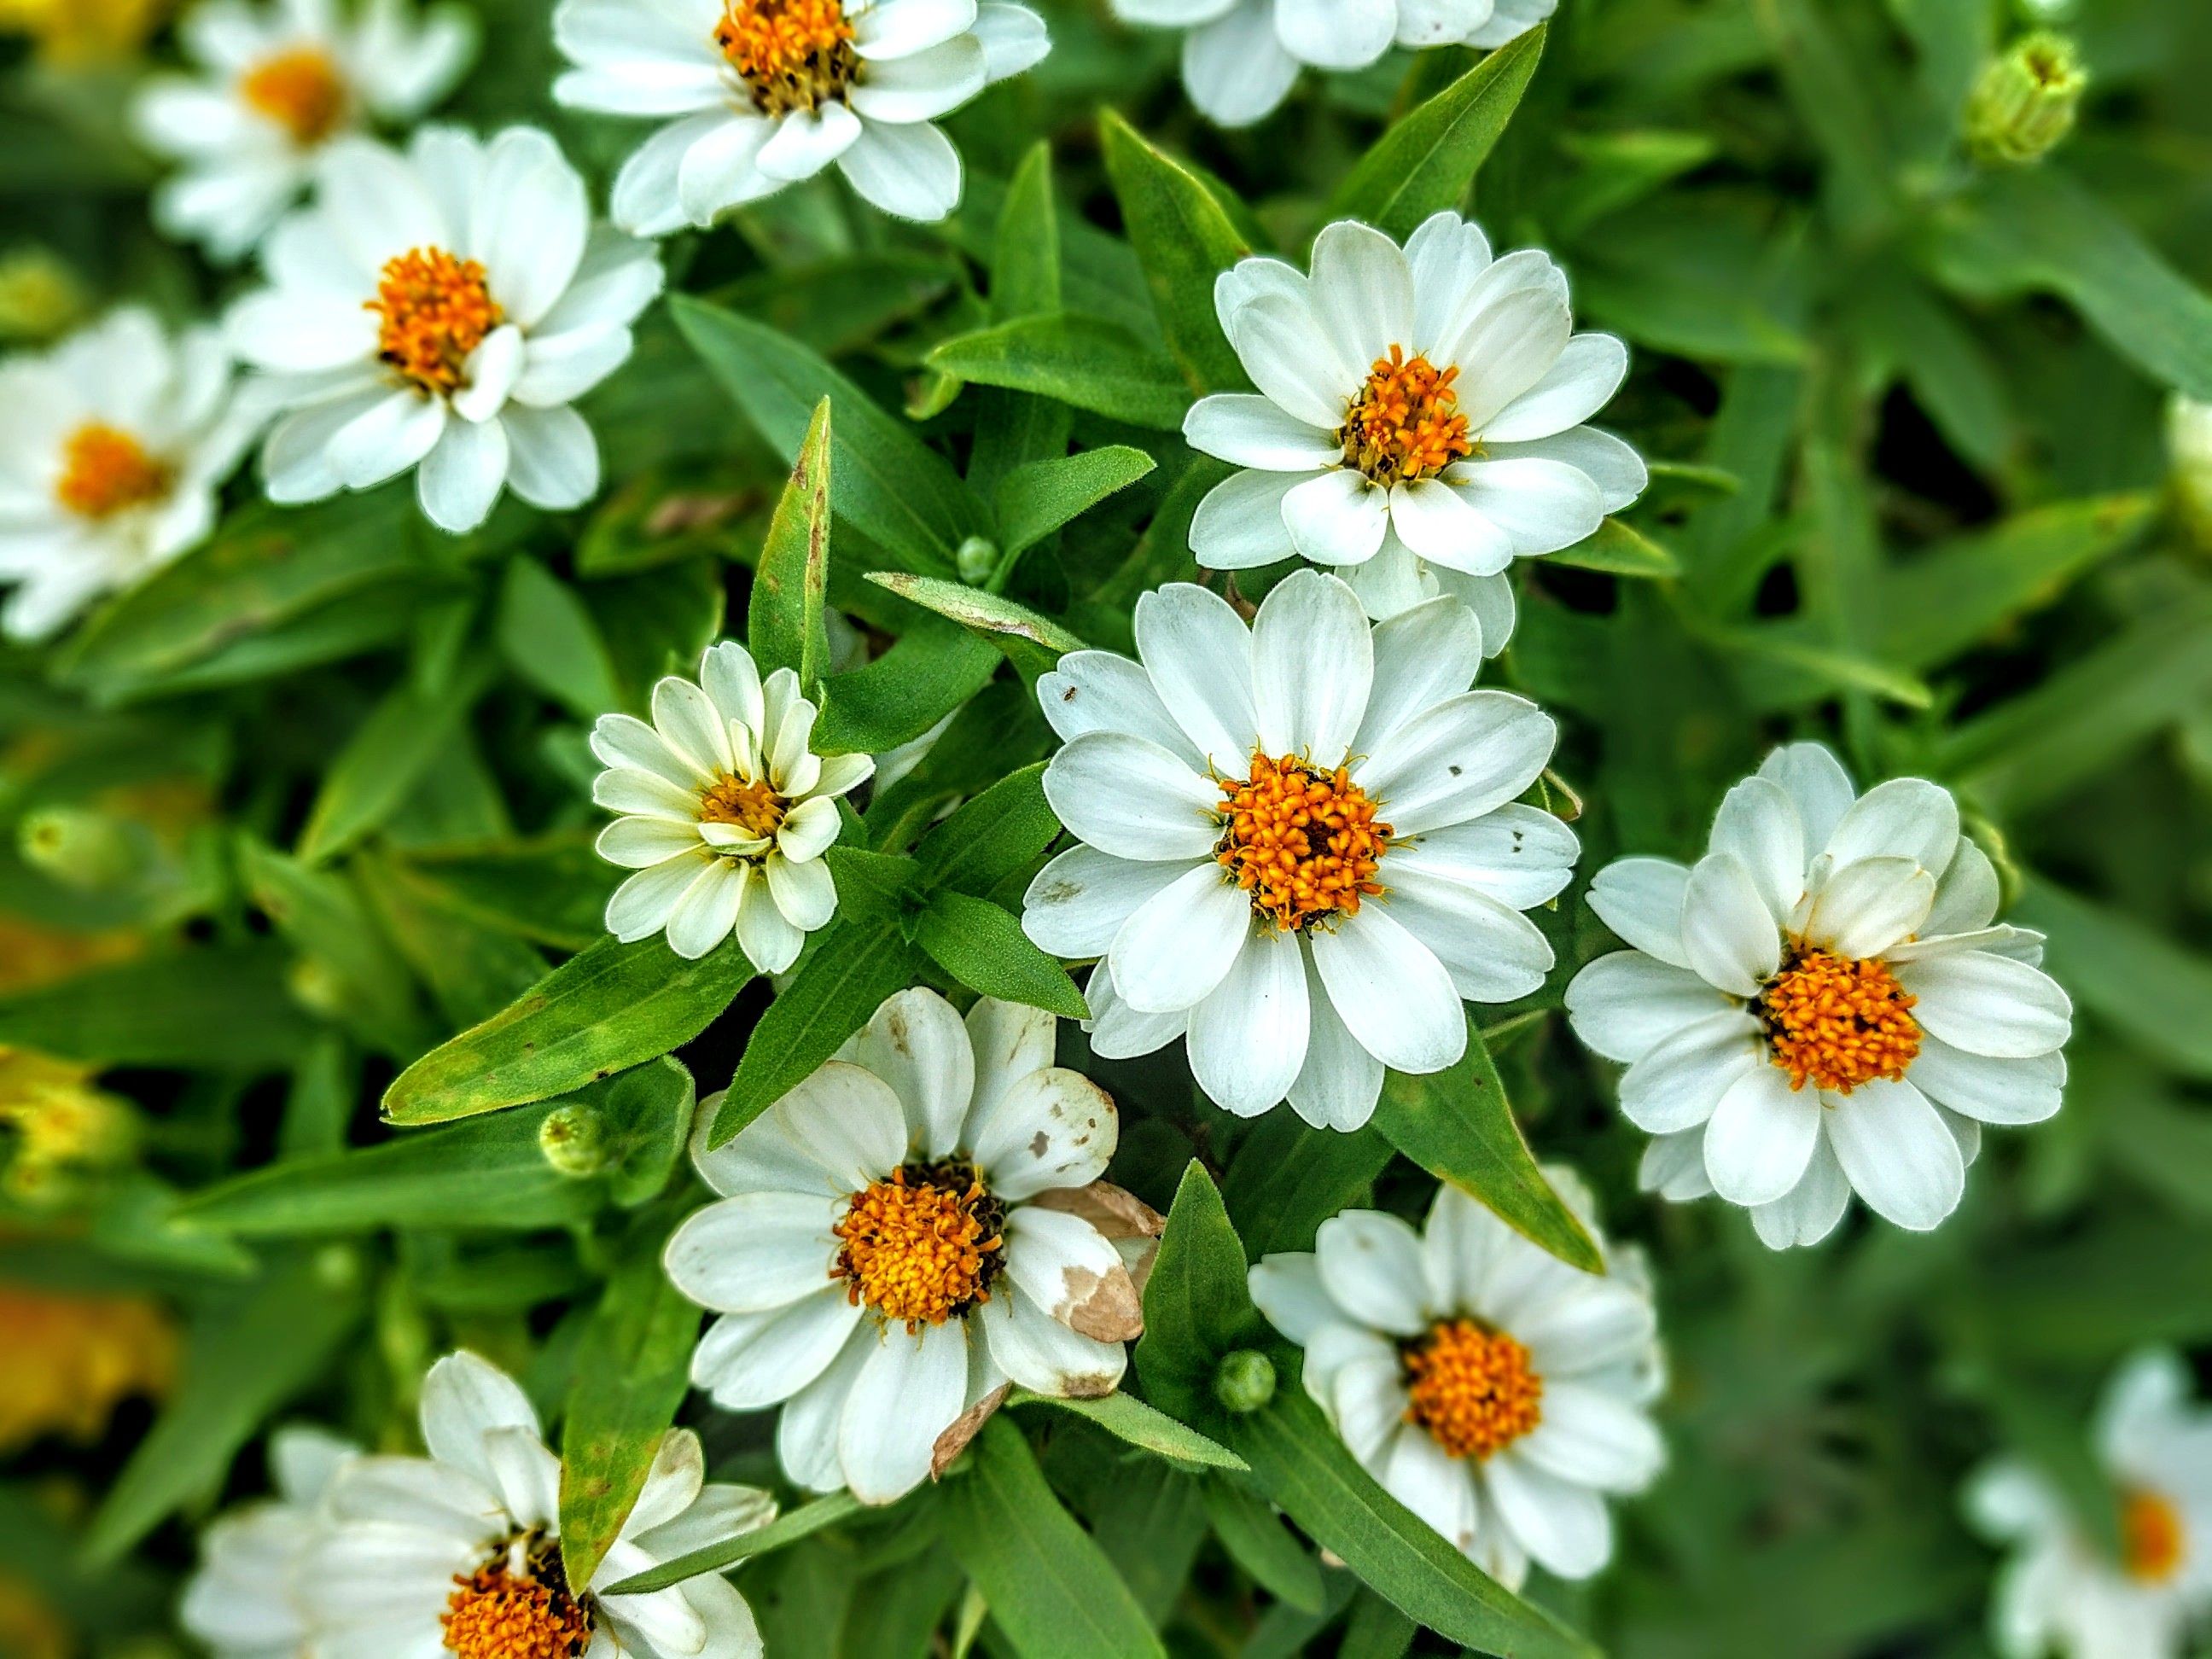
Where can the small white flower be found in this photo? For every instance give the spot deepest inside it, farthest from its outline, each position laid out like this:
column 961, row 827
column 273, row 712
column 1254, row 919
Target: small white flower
column 460, row 1552
column 765, row 93
column 1823, row 1004
column 894, row 1243
column 1240, row 57
column 1419, row 418
column 2062, row 1596
column 1499, row 1393
column 112, row 446
column 1302, row 848
column 442, row 309
column 277, row 82
column 248, row 1599
column 729, row 811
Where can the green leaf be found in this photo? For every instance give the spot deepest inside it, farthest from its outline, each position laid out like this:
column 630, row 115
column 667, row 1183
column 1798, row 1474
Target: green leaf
column 982, row 945
column 786, row 627
column 1032, row 643
column 366, row 985
column 1129, row 1418
column 873, row 886
column 849, row 971
column 381, row 763
column 472, row 969
column 927, row 674
column 1426, row 162
column 1810, row 671
column 1458, row 1126
column 1012, row 428
column 2136, row 978
column 802, row 1523
column 1289, row 1178
column 550, row 889
column 1300, row 1462
column 223, row 1008
column 1258, row 1541
column 1035, row 499
column 993, row 835
column 1197, row 1306
column 892, row 488
column 632, row 1369
column 608, row 1008
column 1618, row 550
column 1184, row 239
column 548, row 638
column 245, row 1357
column 1085, row 362
column 1052, row 1591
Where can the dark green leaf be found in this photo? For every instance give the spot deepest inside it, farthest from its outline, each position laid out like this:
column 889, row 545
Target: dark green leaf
column 786, row 627
column 930, row 672
column 224, row 1008
column 547, row 635
column 1129, row 1418
column 992, row 836
column 1183, row 240
column 1258, row 1541
column 1032, row 643
column 1085, row 362
column 2141, row 982
column 1197, row 1306
column 982, row 945
column 1035, row 499
column 1289, row 1178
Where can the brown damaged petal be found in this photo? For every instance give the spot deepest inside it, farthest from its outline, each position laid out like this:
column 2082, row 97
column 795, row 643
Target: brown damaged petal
column 963, row 1429
column 1115, row 1212
column 1104, row 1307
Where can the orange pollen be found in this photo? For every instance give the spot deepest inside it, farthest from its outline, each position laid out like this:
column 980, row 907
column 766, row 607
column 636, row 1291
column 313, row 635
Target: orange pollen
column 517, row 1605
column 106, row 471
column 2151, row 1537
column 301, row 91
column 1304, row 844
column 753, row 807
column 921, row 1245
column 436, row 310
column 791, row 54
column 1836, row 1023
column 1470, row 1387
column 1406, row 422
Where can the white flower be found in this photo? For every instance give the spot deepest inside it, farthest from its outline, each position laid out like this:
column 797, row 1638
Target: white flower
column 1301, row 849
column 1823, row 1004
column 765, row 93
column 248, row 1600
column 897, row 1239
column 1240, row 57
column 729, row 812
column 2063, row 1594
column 277, row 82
column 442, row 308
column 460, row 1550
column 1499, row 1393
column 112, row 447
column 1418, row 421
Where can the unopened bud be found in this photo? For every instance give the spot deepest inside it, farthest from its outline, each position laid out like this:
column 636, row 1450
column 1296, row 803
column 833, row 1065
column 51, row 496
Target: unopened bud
column 84, row 849
column 574, row 1141
column 2024, row 103
column 40, row 298
column 977, row 560
column 1245, row 1381
column 318, row 987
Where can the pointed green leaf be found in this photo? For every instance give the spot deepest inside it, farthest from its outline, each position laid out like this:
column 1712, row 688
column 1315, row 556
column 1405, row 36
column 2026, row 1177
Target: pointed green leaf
column 927, row 674
column 802, row 1523
column 1184, row 239
column 547, row 636
column 1035, row 499
column 224, row 1008
column 992, row 836
column 1197, row 1306
column 786, row 627
column 379, row 766
column 2132, row 976
column 982, row 945
column 1032, row 643
column 1084, row 361
column 1258, row 1541
column 1620, row 549
column 1129, row 1418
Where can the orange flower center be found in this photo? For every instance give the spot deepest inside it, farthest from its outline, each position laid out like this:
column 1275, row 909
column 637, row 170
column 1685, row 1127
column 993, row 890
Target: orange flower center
column 517, row 1605
column 923, row 1244
column 1470, row 1387
column 1406, row 422
column 753, row 807
column 301, row 91
column 2150, row 1537
column 106, row 471
column 1836, row 1023
column 1304, row 844
column 436, row 310
column 791, row 54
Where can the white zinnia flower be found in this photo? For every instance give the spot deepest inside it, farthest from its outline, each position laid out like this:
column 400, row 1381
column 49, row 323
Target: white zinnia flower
column 277, row 82
column 1302, row 848
column 2062, row 1596
column 1498, row 1393
column 248, row 1600
column 112, row 446
column 1418, row 421
column 460, row 1552
column 729, row 812
column 1240, row 57
column 765, row 93
column 442, row 308
column 894, row 1243
column 1823, row 1004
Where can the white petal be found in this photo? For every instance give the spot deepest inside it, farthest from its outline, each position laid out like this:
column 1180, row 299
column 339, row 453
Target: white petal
column 646, row 202
column 1758, row 822
column 1609, row 463
column 1442, row 524
column 1014, row 39
column 1727, row 934
column 1362, row 289
column 1200, row 655
column 1340, row 1082
column 753, row 1252
column 1370, row 1261
column 908, row 1393
column 920, row 87
column 1239, row 523
column 1904, row 817
column 1542, row 506
column 749, row 1361
column 462, row 478
column 1312, row 662
column 1235, row 68
column 1336, row 517
column 805, row 142
column 1897, row 1153
column 1492, row 952
column 917, row 1043
column 804, row 892
column 1292, row 358
column 553, row 458
column 721, row 169
column 1287, row 1289
column 899, row 28
column 1247, row 1038
column 1989, row 1005
column 1391, row 992
column 1248, row 430
column 489, row 374
column 1679, row 1081
column 1817, row 782
column 1099, row 691
column 1128, row 796
column 1040, row 1354
column 1422, row 656
column 1459, row 759
column 707, row 912
column 769, row 939
column 1330, row 36
column 465, row 1398
column 1582, row 381
column 910, row 172
column 2009, row 1091
column 1761, row 1137
column 640, row 906
column 641, row 843
column 1867, row 906
column 1066, row 1268
column 1809, row 1212
column 1564, row 1527
column 1641, row 900
column 1049, row 1128
column 1079, row 900
column 1591, row 1437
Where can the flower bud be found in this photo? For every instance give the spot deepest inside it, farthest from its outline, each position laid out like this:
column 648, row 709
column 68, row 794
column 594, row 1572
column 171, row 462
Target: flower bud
column 1245, row 1381
column 977, row 560
column 84, row 849
column 40, row 298
column 2189, row 449
column 574, row 1141
column 2024, row 103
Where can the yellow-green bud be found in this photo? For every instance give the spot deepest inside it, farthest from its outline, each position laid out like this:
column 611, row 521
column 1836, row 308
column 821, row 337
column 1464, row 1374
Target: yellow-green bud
column 2188, row 447
column 81, row 849
column 977, row 560
column 1244, row 1381
column 40, row 298
column 574, row 1141
column 318, row 987
column 2024, row 103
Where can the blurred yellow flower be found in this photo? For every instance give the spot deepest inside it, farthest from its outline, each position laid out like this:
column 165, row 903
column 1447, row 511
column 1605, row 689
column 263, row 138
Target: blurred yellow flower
column 67, row 1362
column 83, row 31
column 32, row 955
column 54, row 1125
column 29, row 1627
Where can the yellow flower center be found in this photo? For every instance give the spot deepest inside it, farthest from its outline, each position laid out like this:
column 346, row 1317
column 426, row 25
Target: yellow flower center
column 1836, row 1023
column 436, row 310
column 923, row 1244
column 301, row 91
column 1303, row 843
column 791, row 54
column 517, row 1605
column 753, row 807
column 1470, row 1387
column 106, row 471
column 1406, row 422
column 2151, row 1537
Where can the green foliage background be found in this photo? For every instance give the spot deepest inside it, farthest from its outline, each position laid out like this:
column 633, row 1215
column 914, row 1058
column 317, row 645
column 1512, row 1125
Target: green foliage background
column 1905, row 422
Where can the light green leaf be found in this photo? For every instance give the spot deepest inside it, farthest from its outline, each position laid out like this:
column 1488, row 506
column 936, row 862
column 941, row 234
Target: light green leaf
column 1814, row 671
column 1012, row 428
column 982, row 946
column 548, row 638
column 1035, row 499
column 552, row 890
column 1129, row 1418
column 786, row 627
column 993, row 836
column 802, row 1523
column 927, row 674
column 472, row 969
column 1032, row 643
column 1083, row 362
column 367, row 988
column 1620, row 549
column 1184, row 239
